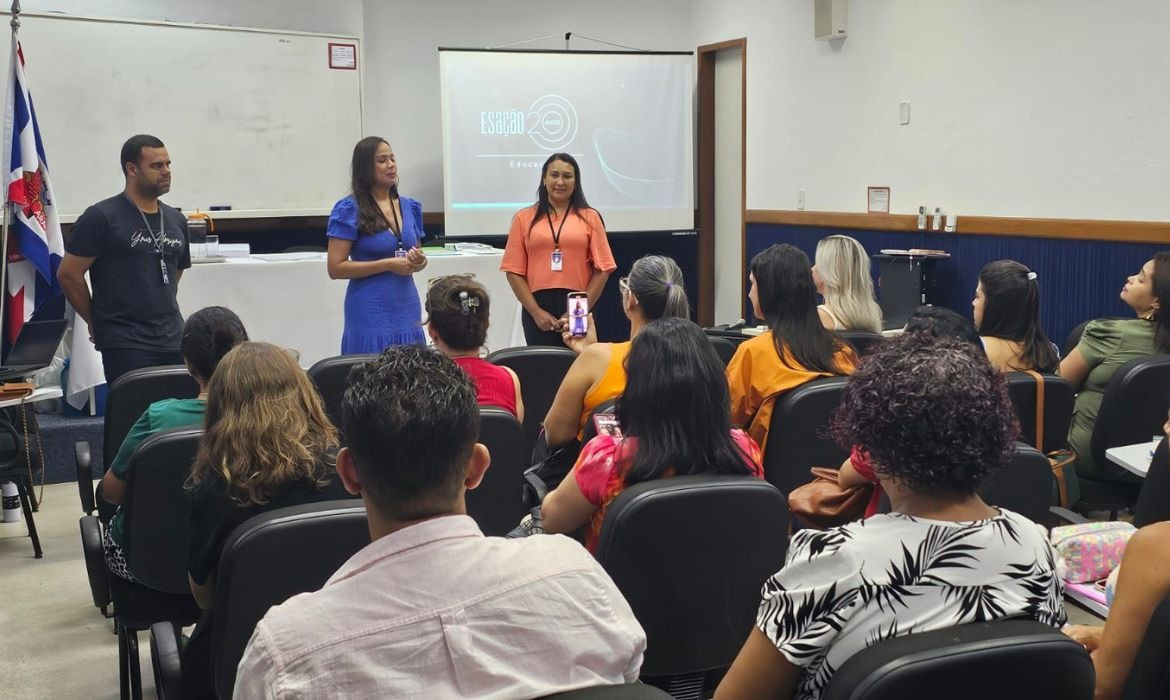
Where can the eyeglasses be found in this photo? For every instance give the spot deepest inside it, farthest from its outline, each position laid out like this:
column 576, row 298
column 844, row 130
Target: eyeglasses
column 460, row 275
column 624, row 285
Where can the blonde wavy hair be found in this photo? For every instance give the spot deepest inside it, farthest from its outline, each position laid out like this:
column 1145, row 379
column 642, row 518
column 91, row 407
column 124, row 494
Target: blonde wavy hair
column 265, row 426
column 843, row 265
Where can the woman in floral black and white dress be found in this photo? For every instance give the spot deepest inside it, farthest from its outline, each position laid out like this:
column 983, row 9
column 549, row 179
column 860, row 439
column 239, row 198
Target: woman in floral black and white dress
column 936, row 421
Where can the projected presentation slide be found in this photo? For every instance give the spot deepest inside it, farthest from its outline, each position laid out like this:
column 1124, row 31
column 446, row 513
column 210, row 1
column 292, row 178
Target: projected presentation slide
column 626, row 118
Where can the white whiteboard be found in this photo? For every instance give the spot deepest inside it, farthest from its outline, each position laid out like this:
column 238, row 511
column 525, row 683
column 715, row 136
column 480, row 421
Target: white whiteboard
column 256, row 120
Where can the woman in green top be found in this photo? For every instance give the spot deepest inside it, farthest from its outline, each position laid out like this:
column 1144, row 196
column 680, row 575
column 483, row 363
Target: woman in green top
column 208, row 335
column 1107, row 344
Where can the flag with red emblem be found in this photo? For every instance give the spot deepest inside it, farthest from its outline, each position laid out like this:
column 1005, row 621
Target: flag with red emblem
column 35, row 245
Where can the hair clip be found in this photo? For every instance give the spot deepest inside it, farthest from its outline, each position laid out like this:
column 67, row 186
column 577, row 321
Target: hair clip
column 1031, row 275
column 467, row 303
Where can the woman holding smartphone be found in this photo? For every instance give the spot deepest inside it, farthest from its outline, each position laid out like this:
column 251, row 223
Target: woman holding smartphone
column 555, row 247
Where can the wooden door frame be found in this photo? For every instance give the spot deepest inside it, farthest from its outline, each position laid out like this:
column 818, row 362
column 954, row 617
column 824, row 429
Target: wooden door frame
column 705, row 215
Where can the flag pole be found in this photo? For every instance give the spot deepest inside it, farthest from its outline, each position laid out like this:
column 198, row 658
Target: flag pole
column 15, row 24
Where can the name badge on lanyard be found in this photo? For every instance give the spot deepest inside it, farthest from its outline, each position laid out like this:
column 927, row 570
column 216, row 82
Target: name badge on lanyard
column 159, row 242
column 162, row 263
column 557, row 259
column 400, row 253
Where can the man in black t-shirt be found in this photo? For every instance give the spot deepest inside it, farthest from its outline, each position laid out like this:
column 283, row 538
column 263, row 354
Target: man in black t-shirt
column 135, row 249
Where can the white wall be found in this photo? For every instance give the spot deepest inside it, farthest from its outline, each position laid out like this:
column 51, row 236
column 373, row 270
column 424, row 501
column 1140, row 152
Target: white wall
column 401, row 75
column 335, row 16
column 1049, row 108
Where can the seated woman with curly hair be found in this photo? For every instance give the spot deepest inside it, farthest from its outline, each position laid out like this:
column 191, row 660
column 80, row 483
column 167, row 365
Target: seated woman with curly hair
column 936, row 421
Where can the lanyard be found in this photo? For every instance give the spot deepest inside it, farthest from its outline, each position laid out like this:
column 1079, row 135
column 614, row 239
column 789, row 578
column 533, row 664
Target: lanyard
column 557, row 233
column 158, row 238
column 397, row 223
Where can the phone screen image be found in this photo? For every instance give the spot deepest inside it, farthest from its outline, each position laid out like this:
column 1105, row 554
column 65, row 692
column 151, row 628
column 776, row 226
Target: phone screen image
column 578, row 314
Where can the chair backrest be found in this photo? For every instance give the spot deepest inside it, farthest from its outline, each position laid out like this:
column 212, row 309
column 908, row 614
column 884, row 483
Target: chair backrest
column 797, row 441
column 331, row 377
column 1009, row 659
column 157, row 511
column 862, row 341
column 270, row 558
column 1024, row 486
column 540, row 370
column 1058, row 408
column 1149, row 677
column 132, row 394
column 496, row 504
column 723, row 347
column 1153, row 504
column 629, row 691
column 1134, row 405
column 690, row 554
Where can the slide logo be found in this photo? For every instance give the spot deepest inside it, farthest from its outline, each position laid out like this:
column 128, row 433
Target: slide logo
column 551, row 122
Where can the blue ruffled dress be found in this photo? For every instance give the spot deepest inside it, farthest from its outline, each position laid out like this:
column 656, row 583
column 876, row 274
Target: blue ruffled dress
column 383, row 309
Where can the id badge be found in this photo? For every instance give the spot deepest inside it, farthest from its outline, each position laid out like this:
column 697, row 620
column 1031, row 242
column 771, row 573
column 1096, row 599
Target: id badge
column 166, row 278
column 557, row 264
column 400, row 253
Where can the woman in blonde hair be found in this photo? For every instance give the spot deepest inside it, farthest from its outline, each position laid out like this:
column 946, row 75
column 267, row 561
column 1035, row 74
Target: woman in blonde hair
column 841, row 274
column 267, row 444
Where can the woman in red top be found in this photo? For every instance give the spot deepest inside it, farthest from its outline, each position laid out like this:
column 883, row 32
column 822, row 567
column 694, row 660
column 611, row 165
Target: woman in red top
column 556, row 246
column 675, row 418
column 457, row 320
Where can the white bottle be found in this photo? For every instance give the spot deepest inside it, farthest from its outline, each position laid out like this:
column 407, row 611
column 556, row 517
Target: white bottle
column 936, row 222
column 922, row 218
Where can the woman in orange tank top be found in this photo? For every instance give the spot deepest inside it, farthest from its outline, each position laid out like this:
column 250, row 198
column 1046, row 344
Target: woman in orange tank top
column 653, row 290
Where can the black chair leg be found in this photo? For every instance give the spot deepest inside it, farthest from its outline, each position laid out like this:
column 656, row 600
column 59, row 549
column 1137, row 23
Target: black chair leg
column 123, row 662
column 135, row 665
column 26, row 506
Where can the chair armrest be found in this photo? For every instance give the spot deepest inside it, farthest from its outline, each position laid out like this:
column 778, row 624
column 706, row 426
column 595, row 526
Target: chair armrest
column 1068, row 516
column 164, row 658
column 84, row 476
column 95, row 561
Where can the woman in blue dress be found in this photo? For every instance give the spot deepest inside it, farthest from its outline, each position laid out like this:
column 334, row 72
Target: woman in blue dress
column 374, row 238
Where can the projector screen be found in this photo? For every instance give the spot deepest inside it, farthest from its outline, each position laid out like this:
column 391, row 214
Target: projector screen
column 627, row 118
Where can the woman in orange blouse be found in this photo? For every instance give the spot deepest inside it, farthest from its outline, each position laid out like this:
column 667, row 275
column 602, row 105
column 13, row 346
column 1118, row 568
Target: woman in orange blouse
column 796, row 349
column 556, row 246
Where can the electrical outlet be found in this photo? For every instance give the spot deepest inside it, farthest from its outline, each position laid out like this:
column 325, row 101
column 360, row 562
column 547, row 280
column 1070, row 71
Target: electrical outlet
column 800, row 200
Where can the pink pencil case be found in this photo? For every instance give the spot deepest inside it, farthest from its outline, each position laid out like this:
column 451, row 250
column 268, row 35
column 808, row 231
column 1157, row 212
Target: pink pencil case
column 1089, row 551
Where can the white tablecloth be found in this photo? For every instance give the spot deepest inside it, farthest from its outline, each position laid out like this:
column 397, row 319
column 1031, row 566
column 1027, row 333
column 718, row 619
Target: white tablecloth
column 290, row 300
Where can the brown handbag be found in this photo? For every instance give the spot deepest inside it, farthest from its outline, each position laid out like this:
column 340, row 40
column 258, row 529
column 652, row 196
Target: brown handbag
column 16, row 390
column 1059, row 459
column 822, row 503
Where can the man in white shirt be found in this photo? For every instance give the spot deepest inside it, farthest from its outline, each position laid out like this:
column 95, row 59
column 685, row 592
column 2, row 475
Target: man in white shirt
column 432, row 608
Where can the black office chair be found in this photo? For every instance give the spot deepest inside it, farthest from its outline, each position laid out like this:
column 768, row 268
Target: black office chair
column 1153, row 503
column 496, row 504
column 862, row 341
column 331, row 377
column 16, row 454
column 128, row 398
column 1132, row 409
column 723, row 347
column 1007, row 660
column 1149, row 678
column 629, row 691
column 541, row 370
column 590, row 431
column 1074, row 338
column 157, row 522
column 690, row 555
column 267, row 559
column 1024, row 486
column 797, row 441
column 1058, row 408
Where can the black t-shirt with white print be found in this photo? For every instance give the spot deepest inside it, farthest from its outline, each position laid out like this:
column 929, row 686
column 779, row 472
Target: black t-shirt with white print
column 133, row 307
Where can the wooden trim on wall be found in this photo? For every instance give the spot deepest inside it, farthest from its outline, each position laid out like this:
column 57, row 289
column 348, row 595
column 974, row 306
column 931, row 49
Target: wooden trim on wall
column 705, row 200
column 1068, row 229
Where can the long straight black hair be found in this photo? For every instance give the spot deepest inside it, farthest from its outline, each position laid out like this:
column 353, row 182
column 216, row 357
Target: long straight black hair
column 1161, row 286
column 577, row 200
column 1011, row 311
column 361, row 183
column 676, row 403
column 788, row 299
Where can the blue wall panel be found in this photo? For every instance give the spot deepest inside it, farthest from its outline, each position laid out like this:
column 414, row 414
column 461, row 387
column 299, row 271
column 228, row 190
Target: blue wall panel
column 1078, row 279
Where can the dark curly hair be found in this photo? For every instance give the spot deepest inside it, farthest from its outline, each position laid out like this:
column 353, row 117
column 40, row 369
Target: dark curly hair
column 933, row 415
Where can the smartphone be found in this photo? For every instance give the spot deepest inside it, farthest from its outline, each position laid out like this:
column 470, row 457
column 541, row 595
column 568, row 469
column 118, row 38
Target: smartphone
column 578, row 314
column 607, row 424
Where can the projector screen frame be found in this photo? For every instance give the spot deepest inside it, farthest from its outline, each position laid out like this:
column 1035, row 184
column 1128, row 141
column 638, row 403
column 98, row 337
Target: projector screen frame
column 689, row 176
